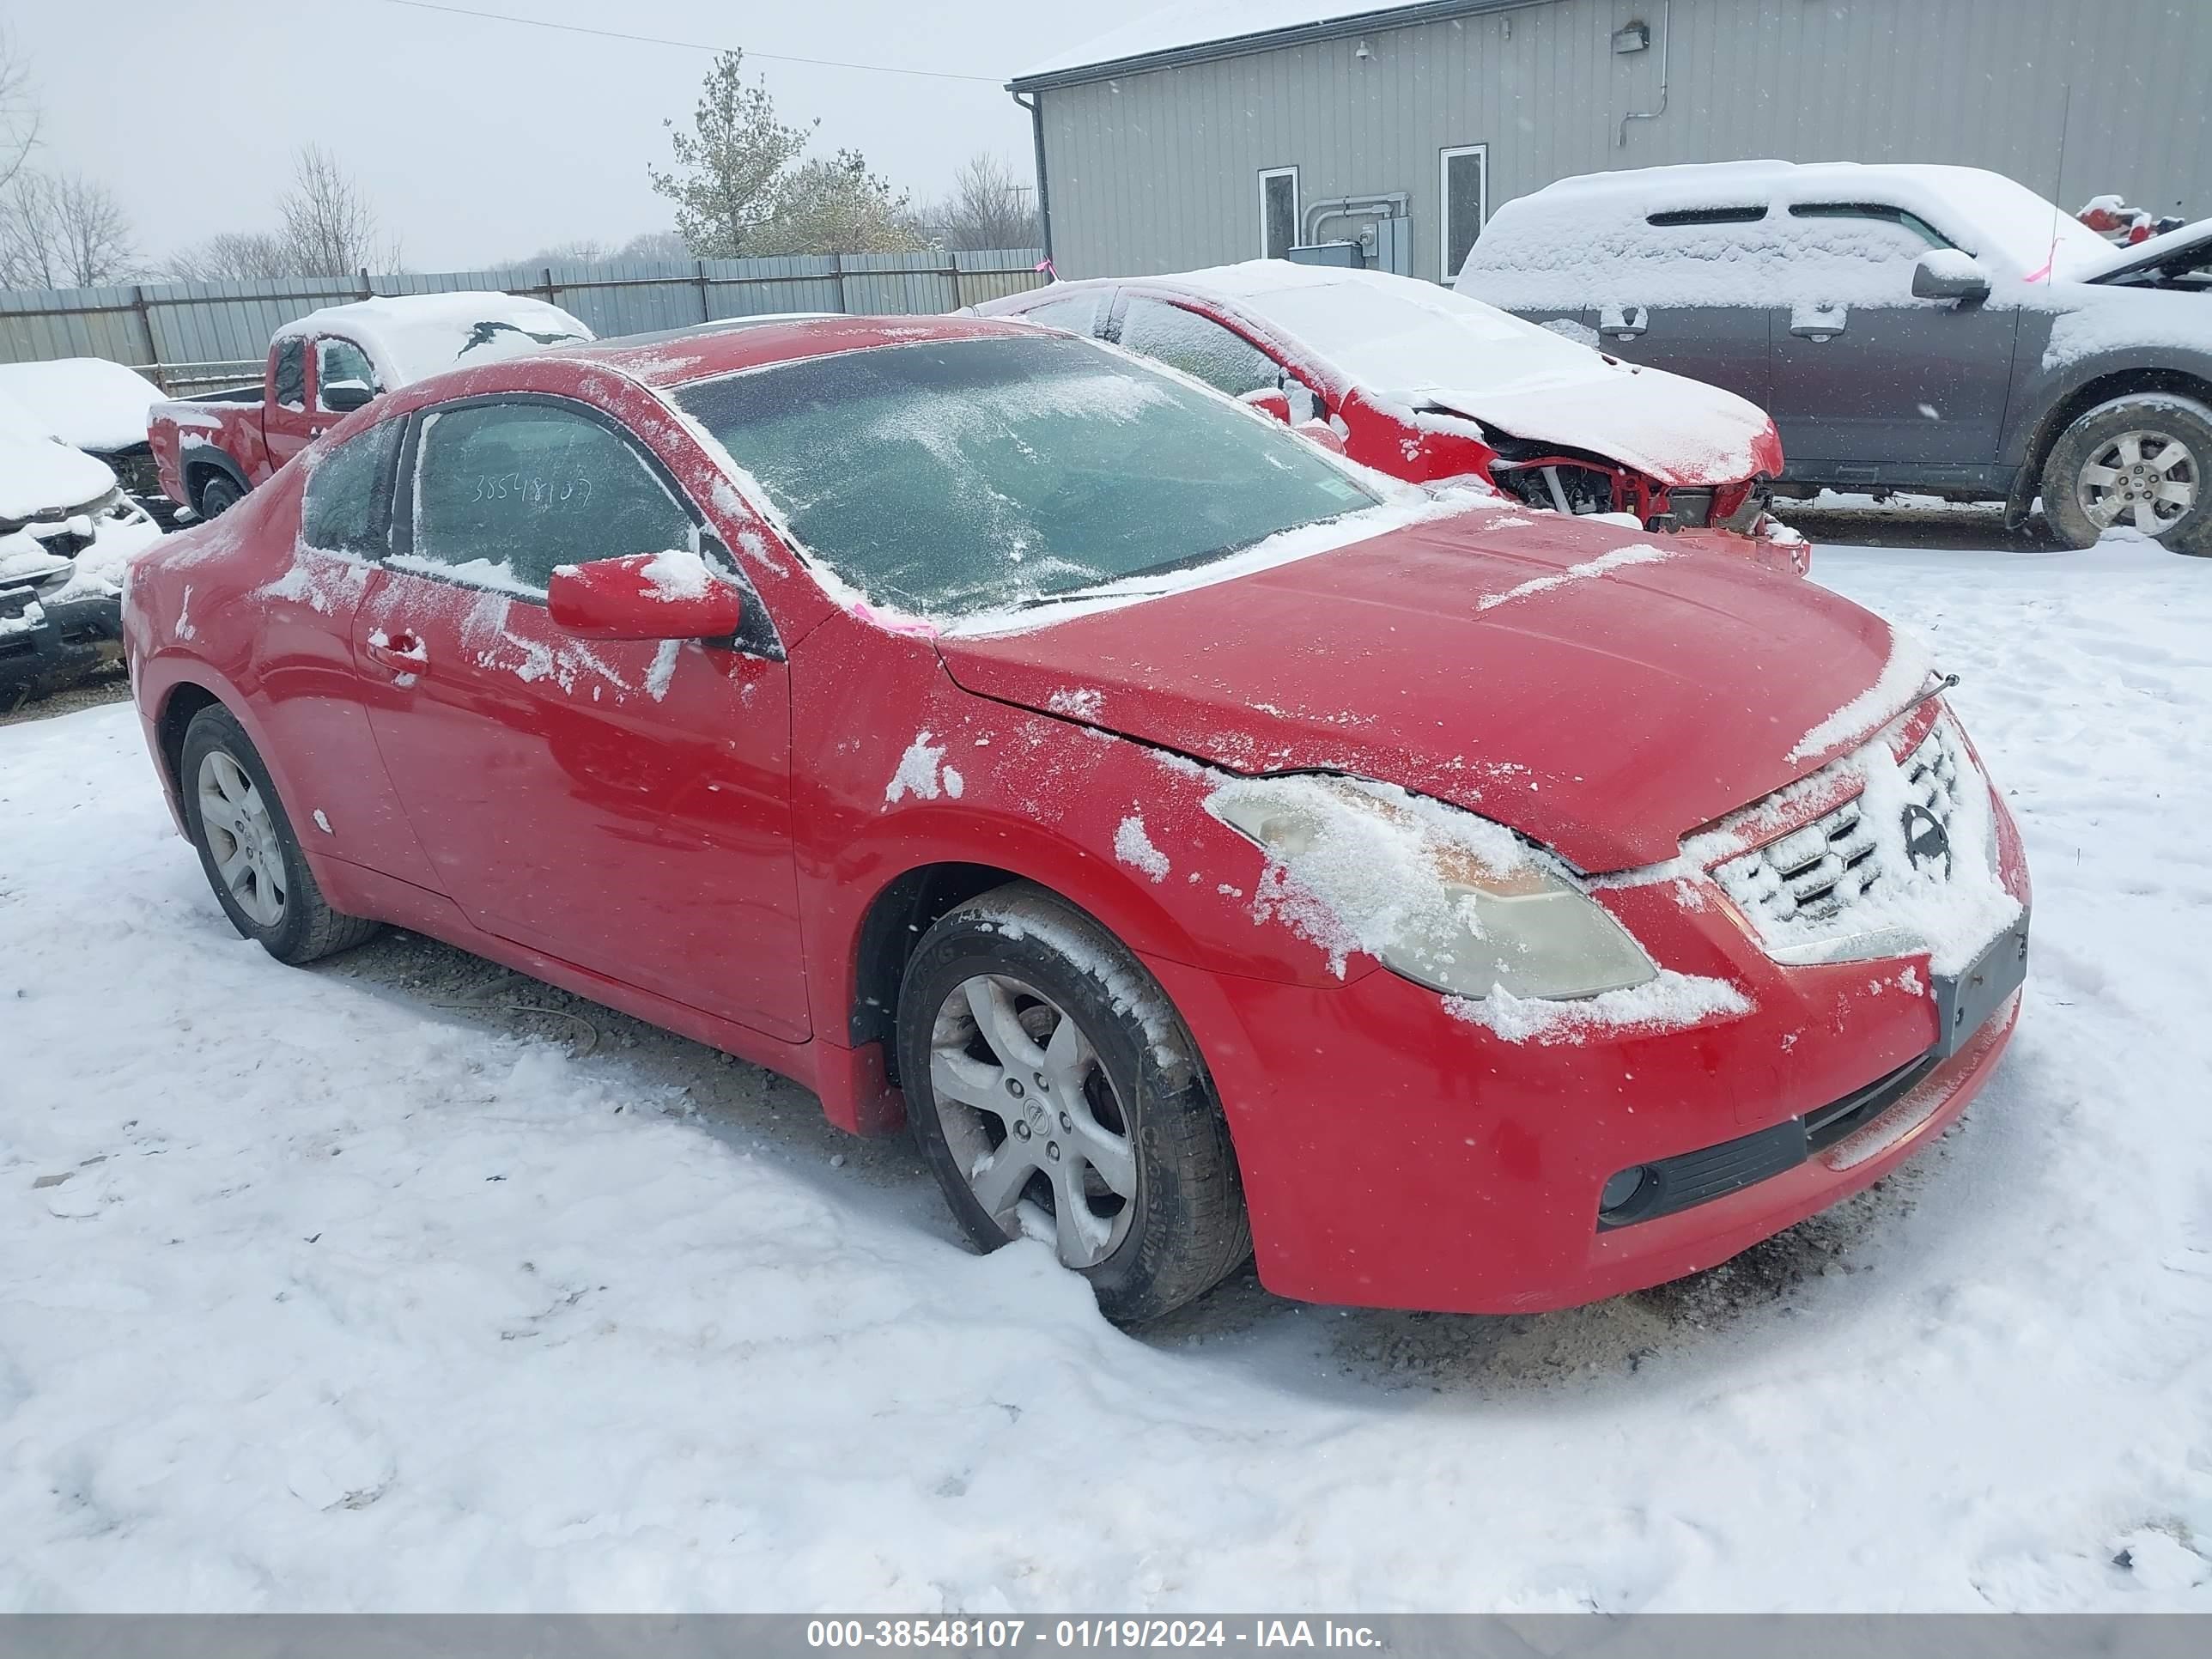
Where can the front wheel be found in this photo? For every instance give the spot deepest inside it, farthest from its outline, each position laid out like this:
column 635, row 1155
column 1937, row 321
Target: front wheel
column 2138, row 463
column 1057, row 1097
column 247, row 846
column 217, row 496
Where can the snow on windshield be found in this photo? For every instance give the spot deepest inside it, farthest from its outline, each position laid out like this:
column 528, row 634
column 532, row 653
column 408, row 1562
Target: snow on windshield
column 85, row 401
column 962, row 476
column 1398, row 335
column 38, row 471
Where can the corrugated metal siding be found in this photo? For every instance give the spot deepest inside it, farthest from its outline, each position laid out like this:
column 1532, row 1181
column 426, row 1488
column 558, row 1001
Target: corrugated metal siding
column 1159, row 171
column 229, row 322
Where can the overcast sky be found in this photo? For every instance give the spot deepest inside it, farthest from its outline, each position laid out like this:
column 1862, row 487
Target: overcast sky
column 480, row 142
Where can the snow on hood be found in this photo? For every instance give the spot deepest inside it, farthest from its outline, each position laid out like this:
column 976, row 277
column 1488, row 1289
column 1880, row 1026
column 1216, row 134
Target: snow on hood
column 2185, row 239
column 89, row 402
column 1381, row 660
column 1417, row 346
column 411, row 337
column 39, row 473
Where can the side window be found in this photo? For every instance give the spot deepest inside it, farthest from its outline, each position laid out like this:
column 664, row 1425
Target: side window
column 1466, row 186
column 345, row 509
column 1279, row 212
column 340, row 362
column 292, row 374
column 1077, row 316
column 1898, row 229
column 505, row 492
column 1198, row 346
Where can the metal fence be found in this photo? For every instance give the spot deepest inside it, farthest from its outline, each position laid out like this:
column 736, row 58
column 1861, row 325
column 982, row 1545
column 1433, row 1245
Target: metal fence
column 192, row 335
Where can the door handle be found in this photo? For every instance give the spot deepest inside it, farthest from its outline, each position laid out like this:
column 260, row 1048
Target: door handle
column 1819, row 322
column 402, row 653
column 1623, row 322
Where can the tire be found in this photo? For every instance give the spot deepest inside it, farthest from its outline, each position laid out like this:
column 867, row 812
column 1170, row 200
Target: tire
column 217, row 496
column 270, row 895
column 2156, row 445
column 1150, row 1121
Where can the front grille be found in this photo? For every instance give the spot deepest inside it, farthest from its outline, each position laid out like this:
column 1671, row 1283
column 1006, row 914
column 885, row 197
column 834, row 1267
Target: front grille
column 1820, row 871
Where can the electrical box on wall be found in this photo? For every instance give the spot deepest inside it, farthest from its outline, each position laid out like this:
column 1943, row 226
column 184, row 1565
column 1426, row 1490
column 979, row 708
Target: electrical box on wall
column 1346, row 255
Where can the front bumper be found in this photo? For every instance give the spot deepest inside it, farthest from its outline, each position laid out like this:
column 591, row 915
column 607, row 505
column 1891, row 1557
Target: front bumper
column 1395, row 1155
column 46, row 645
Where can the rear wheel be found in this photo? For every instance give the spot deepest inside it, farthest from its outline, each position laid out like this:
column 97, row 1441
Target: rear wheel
column 1057, row 1097
column 218, row 494
column 2138, row 463
column 247, row 846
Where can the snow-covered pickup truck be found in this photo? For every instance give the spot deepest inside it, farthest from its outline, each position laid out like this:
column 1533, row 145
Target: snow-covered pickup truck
column 1930, row 329
column 210, row 451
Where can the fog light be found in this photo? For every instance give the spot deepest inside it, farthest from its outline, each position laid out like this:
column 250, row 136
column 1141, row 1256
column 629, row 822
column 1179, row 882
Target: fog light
column 1620, row 1191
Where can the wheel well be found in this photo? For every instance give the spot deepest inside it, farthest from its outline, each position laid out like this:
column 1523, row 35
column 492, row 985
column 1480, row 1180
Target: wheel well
column 176, row 716
column 2082, row 400
column 895, row 922
column 196, row 474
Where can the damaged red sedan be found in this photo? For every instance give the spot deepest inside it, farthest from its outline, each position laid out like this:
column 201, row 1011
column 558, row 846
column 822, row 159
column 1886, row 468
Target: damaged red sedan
column 1210, row 847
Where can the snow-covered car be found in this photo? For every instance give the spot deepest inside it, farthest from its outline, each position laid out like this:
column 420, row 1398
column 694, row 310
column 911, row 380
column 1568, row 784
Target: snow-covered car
column 67, row 532
column 1942, row 330
column 1427, row 386
column 101, row 408
column 209, row 451
column 1212, row 846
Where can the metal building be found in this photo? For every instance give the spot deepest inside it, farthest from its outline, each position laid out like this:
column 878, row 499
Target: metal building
column 1215, row 130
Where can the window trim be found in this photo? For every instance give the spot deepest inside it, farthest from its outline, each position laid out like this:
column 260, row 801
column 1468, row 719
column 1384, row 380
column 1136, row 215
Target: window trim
column 1297, row 204
column 1445, row 159
column 1740, row 213
column 756, row 635
column 1882, row 213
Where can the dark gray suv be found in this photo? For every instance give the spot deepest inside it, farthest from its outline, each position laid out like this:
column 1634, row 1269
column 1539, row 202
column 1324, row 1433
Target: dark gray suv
column 1939, row 330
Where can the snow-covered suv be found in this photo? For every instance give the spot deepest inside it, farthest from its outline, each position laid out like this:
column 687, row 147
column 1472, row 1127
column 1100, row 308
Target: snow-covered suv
column 1933, row 328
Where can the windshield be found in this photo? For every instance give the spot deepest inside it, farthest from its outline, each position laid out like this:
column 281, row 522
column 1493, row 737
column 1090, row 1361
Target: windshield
column 1404, row 338
column 963, row 475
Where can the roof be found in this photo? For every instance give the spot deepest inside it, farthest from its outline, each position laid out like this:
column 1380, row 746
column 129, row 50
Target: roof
column 680, row 355
column 1198, row 30
column 410, row 337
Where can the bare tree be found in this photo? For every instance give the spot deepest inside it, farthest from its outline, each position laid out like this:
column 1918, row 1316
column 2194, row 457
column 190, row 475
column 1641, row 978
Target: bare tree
column 229, row 255
column 663, row 244
column 62, row 230
column 579, row 251
column 19, row 110
column 729, row 176
column 329, row 224
column 989, row 207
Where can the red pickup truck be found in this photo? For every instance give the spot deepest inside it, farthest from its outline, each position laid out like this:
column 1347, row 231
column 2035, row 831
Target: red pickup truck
column 210, row 451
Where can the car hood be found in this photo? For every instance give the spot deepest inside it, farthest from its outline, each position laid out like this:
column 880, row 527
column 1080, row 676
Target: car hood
column 1600, row 694
column 2189, row 238
column 39, row 475
column 1669, row 428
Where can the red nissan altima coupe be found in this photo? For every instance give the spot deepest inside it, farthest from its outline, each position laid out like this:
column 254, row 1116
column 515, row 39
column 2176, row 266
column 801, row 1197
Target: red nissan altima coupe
column 1209, row 846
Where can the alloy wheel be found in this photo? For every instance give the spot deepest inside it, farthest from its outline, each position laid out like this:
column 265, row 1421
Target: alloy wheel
column 1032, row 1119
column 241, row 839
column 2146, row 479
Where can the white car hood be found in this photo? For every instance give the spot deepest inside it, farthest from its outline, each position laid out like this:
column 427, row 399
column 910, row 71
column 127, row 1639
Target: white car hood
column 1674, row 429
column 39, row 474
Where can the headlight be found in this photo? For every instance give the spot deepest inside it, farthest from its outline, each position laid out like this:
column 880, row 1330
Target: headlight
column 1448, row 900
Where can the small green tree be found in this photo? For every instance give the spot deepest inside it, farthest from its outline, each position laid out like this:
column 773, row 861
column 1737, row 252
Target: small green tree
column 837, row 206
column 729, row 174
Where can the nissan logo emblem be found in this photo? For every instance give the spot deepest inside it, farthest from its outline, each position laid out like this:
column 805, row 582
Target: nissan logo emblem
column 1926, row 842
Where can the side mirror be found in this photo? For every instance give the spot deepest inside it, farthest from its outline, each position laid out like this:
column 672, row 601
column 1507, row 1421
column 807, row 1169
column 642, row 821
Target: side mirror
column 1270, row 400
column 343, row 397
column 644, row 596
column 1321, row 433
column 1945, row 273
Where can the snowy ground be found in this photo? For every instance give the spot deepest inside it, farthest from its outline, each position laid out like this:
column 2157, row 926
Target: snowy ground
column 368, row 1287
